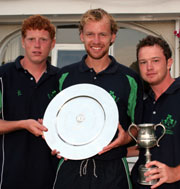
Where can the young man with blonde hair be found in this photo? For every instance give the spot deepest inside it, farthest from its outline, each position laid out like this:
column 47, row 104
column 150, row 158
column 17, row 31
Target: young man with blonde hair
column 108, row 169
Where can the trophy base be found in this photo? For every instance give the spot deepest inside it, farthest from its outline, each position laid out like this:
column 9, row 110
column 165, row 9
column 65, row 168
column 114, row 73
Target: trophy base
column 142, row 179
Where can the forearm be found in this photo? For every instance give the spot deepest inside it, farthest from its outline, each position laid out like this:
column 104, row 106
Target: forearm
column 31, row 125
column 132, row 151
column 133, row 132
column 10, row 126
column 127, row 138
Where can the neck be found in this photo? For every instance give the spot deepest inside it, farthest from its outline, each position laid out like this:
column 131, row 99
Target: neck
column 159, row 89
column 36, row 70
column 98, row 64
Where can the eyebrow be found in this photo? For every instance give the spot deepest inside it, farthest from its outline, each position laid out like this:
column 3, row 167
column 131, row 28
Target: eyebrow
column 149, row 58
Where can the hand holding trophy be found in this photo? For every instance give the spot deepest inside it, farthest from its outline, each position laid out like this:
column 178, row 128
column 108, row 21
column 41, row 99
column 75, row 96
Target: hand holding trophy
column 146, row 139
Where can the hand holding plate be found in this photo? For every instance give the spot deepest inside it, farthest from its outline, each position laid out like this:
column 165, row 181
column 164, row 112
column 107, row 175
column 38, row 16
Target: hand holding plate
column 57, row 154
column 121, row 140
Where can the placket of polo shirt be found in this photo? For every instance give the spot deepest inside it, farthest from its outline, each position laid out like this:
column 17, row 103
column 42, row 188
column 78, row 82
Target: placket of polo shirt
column 94, row 75
column 154, row 112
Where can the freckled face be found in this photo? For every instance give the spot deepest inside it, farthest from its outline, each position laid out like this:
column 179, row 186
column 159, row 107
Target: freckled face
column 37, row 45
column 97, row 37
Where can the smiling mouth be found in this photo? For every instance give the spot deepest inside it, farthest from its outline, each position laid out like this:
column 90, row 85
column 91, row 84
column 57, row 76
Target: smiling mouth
column 96, row 47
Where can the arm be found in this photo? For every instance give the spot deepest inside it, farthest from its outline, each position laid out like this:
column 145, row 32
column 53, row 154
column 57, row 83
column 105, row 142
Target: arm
column 133, row 151
column 164, row 173
column 33, row 126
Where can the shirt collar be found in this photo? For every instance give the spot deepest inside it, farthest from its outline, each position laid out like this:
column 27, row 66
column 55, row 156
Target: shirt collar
column 50, row 69
column 112, row 68
column 172, row 88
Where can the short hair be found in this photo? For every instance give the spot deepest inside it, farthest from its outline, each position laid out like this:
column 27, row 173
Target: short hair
column 97, row 15
column 38, row 22
column 151, row 41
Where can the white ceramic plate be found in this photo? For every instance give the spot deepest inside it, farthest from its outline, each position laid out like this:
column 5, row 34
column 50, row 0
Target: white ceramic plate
column 81, row 120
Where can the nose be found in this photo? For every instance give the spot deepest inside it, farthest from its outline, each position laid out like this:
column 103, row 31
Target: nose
column 149, row 65
column 96, row 39
column 37, row 43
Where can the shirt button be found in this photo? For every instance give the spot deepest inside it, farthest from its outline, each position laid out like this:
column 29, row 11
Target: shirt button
column 91, row 70
column 95, row 78
column 31, row 78
column 154, row 102
column 154, row 112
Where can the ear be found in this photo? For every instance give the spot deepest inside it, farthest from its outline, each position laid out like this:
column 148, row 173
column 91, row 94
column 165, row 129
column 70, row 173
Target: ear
column 22, row 42
column 81, row 37
column 169, row 63
column 53, row 43
column 113, row 38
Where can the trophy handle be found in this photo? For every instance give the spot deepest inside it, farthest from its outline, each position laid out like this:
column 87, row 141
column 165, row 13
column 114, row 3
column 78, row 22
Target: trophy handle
column 164, row 130
column 132, row 125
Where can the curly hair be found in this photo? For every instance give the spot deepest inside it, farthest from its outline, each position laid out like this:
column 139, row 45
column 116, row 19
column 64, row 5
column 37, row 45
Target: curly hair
column 97, row 15
column 151, row 41
column 38, row 22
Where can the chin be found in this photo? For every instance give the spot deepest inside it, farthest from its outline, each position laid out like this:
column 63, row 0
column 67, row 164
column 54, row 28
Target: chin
column 38, row 61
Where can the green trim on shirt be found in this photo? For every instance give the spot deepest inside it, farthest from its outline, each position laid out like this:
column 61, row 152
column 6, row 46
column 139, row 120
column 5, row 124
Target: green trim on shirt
column 132, row 98
column 61, row 80
column 124, row 160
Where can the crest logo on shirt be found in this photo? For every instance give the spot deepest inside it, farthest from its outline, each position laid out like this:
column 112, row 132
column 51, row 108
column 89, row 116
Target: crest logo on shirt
column 114, row 96
column 169, row 123
column 52, row 94
column 19, row 93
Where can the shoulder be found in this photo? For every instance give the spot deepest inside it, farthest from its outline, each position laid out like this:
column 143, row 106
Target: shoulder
column 130, row 76
column 54, row 69
column 5, row 68
column 175, row 86
column 10, row 67
column 177, row 80
column 128, row 72
column 75, row 67
column 70, row 67
column 66, row 70
column 123, row 69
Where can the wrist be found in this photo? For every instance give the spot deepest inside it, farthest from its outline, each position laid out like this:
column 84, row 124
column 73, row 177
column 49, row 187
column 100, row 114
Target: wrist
column 22, row 124
column 177, row 171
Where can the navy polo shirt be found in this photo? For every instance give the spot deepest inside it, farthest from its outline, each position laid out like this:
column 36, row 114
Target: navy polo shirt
column 122, row 83
column 166, row 111
column 27, row 162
